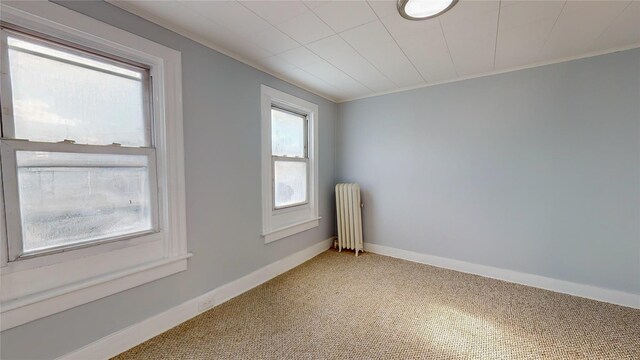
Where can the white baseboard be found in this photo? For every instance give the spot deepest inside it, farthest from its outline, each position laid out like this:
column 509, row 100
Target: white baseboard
column 561, row 286
column 120, row 341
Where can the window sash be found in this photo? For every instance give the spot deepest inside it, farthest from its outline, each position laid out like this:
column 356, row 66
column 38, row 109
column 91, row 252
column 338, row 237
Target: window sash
column 6, row 96
column 8, row 149
column 273, row 181
column 305, row 130
column 304, row 159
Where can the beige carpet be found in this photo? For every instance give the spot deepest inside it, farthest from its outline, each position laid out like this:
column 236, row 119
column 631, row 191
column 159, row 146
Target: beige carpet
column 337, row 306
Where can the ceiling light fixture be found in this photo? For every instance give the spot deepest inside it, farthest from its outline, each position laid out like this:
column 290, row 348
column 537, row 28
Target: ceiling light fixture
column 423, row 9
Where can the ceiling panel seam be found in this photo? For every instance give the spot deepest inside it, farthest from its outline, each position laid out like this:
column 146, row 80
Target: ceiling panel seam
column 354, row 49
column 551, row 30
column 495, row 49
column 398, row 45
column 229, row 53
column 300, row 45
column 610, row 25
column 444, row 36
column 270, row 24
column 329, row 62
column 337, row 68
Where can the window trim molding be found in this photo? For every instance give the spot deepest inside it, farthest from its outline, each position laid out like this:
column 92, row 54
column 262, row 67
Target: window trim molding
column 283, row 222
column 27, row 309
column 60, row 22
column 291, row 230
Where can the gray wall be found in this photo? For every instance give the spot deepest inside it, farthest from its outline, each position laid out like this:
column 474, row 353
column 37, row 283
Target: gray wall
column 536, row 171
column 222, row 150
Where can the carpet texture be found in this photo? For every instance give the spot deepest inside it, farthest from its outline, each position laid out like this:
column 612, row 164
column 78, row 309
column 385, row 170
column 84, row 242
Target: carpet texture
column 337, row 306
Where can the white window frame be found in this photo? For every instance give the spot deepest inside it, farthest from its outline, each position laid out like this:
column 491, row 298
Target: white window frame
column 278, row 223
column 304, row 158
column 87, row 273
column 9, row 144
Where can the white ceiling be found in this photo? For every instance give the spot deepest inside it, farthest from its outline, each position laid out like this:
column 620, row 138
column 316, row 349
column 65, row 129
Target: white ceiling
column 344, row 50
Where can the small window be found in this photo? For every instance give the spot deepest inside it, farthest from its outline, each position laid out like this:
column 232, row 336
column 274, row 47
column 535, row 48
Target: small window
column 78, row 158
column 289, row 164
column 289, row 139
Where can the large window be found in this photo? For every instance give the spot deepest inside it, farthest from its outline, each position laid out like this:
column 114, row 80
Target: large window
column 78, row 159
column 289, row 128
column 91, row 155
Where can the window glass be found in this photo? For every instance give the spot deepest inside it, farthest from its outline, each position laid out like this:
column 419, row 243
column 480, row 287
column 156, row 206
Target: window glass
column 59, row 94
column 70, row 198
column 287, row 133
column 290, row 183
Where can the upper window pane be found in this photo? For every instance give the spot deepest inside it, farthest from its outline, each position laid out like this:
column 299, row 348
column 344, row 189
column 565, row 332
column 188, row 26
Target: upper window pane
column 71, row 198
column 287, row 133
column 61, row 93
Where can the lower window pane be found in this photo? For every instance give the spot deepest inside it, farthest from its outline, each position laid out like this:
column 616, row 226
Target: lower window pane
column 290, row 183
column 70, row 198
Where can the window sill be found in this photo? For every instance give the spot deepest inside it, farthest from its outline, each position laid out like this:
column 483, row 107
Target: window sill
column 290, row 230
column 23, row 310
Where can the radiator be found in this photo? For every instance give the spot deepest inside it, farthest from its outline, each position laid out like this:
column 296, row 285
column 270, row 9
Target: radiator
column 348, row 209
